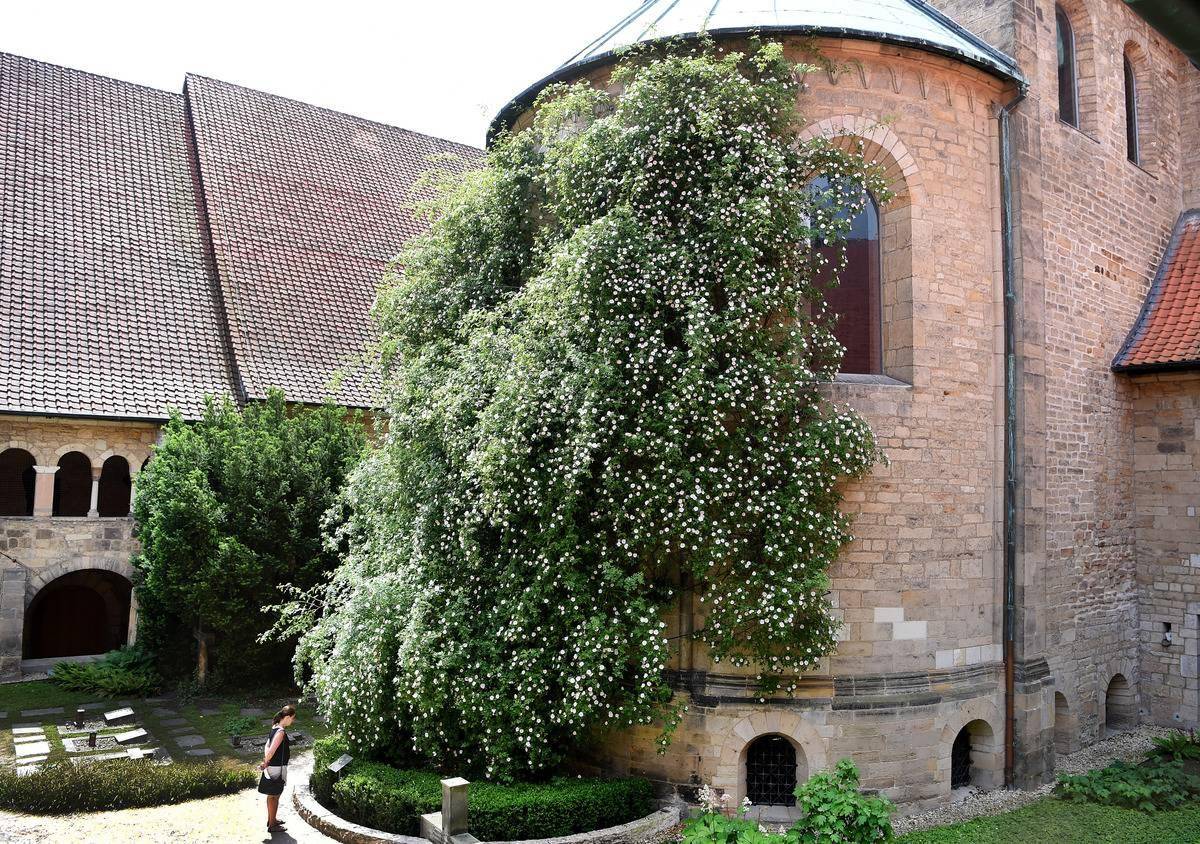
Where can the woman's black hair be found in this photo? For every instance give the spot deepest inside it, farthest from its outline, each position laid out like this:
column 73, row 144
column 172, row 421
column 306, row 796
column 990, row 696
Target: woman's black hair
column 283, row 713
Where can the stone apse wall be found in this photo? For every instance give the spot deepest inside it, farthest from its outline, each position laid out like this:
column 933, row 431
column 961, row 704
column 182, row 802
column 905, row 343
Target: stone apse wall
column 37, row 550
column 918, row 588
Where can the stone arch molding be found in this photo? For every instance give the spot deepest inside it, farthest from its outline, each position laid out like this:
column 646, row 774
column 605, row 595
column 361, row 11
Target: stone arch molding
column 883, row 147
column 82, row 449
column 43, row 577
column 135, row 463
column 779, row 722
column 973, row 710
column 39, row 456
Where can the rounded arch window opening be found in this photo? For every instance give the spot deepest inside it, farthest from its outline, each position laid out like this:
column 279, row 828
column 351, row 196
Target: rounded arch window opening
column 80, row 613
column 17, row 481
column 856, row 299
column 771, row 772
column 115, row 487
column 73, row 485
column 1068, row 83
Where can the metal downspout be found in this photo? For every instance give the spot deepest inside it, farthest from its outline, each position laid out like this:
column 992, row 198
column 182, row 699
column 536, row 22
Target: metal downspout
column 1010, row 436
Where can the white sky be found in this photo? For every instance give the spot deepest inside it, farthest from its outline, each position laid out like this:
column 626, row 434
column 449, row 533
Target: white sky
column 433, row 66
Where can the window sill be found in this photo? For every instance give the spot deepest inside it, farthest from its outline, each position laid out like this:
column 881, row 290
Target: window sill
column 1078, row 130
column 1139, row 166
column 873, row 380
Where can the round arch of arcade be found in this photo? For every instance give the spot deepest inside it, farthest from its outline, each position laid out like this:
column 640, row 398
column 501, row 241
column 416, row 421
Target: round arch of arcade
column 808, row 743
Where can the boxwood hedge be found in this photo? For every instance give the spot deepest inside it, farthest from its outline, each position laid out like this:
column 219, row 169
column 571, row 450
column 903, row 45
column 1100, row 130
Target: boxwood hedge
column 393, row 800
column 62, row 787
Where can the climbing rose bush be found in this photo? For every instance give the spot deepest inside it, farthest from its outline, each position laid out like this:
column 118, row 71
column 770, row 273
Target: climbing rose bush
column 602, row 367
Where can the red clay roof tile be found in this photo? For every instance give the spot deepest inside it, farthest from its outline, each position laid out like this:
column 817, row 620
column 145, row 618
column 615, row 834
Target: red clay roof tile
column 1166, row 334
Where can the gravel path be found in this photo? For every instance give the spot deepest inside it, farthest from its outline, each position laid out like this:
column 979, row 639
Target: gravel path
column 1128, row 747
column 240, row 817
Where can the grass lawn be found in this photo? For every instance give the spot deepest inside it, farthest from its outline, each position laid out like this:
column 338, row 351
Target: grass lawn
column 205, row 716
column 1060, row 822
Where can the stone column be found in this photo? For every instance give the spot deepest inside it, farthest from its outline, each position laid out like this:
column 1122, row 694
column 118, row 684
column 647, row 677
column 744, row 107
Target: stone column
column 131, row 636
column 133, row 476
column 93, row 510
column 12, row 619
column 43, row 490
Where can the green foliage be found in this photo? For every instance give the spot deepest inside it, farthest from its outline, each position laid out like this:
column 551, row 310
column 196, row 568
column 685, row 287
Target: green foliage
column 1065, row 822
column 1155, row 784
column 128, row 672
column 393, row 800
column 1178, row 744
column 63, row 787
column 835, row 810
column 602, row 365
column 228, row 511
column 242, row 725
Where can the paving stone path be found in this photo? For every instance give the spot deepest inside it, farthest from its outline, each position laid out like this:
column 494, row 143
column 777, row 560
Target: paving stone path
column 240, row 817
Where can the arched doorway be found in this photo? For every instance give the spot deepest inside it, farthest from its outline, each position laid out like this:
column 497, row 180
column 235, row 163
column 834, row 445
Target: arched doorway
column 83, row 612
column 976, row 757
column 1064, row 725
column 1120, row 706
column 17, row 480
column 771, row 768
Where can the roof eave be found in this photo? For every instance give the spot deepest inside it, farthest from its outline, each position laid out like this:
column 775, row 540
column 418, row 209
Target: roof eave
column 508, row 115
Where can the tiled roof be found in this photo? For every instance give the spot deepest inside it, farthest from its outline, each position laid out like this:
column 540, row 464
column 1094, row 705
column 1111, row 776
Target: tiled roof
column 158, row 248
column 305, row 207
column 105, row 305
column 1167, row 332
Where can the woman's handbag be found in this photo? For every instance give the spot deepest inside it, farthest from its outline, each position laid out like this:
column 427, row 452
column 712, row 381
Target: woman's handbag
column 266, row 785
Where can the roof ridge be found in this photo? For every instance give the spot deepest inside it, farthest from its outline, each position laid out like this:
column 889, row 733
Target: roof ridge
column 88, row 73
column 357, row 118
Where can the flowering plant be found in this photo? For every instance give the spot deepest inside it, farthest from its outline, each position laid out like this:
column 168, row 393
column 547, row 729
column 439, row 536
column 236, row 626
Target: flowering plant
column 602, row 367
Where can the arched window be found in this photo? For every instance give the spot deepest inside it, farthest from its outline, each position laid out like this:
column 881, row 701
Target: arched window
column 113, row 499
column 855, row 299
column 1131, row 112
column 73, row 485
column 17, row 479
column 771, row 772
column 1068, row 80
column 976, row 757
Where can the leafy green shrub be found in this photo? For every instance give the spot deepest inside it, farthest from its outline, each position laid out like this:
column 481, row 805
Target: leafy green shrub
column 835, row 810
column 128, row 672
column 242, row 725
column 1179, row 745
column 1156, row 784
column 64, row 787
column 391, row 799
column 715, row 828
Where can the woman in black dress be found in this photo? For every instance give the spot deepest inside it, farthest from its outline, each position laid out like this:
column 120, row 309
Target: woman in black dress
column 275, row 760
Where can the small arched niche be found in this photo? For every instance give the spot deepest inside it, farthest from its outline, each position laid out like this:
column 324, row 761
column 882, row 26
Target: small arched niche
column 1064, row 726
column 1120, row 706
column 772, row 766
column 17, row 480
column 976, row 758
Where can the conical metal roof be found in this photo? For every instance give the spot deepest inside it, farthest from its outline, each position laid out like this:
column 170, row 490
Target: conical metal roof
column 911, row 23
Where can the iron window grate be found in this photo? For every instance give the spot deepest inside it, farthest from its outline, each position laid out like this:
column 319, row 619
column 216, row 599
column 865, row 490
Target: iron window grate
column 771, row 772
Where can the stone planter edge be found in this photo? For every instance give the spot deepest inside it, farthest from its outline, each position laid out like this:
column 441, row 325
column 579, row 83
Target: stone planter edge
column 320, row 818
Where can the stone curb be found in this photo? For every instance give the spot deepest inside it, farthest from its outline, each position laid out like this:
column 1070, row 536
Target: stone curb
column 326, row 822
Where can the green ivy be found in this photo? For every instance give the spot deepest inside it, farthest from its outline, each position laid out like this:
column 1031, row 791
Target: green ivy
column 603, row 368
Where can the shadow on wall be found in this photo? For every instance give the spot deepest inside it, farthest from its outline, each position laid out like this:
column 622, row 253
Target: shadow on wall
column 81, row 613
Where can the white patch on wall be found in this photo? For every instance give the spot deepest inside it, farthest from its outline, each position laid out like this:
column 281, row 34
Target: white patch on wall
column 901, row 629
column 1194, row 560
column 958, row 657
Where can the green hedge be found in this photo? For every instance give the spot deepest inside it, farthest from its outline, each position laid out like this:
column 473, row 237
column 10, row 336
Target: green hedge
column 63, row 787
column 393, row 800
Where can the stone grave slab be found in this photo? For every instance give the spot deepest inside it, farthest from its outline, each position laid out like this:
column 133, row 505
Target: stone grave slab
column 29, row 738
column 35, row 713
column 174, row 722
column 189, row 741
column 163, row 712
column 119, row 716
column 100, row 757
column 92, row 707
column 26, row 770
column 137, row 736
column 200, row 751
column 251, row 711
column 209, row 710
column 28, row 731
column 33, row 748
column 185, row 730
column 80, row 745
column 3, row 715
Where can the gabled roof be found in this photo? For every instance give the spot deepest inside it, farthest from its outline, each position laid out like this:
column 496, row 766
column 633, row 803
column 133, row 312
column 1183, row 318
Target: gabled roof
column 305, row 207
column 1166, row 334
column 105, row 305
column 910, row 23
column 157, row 248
